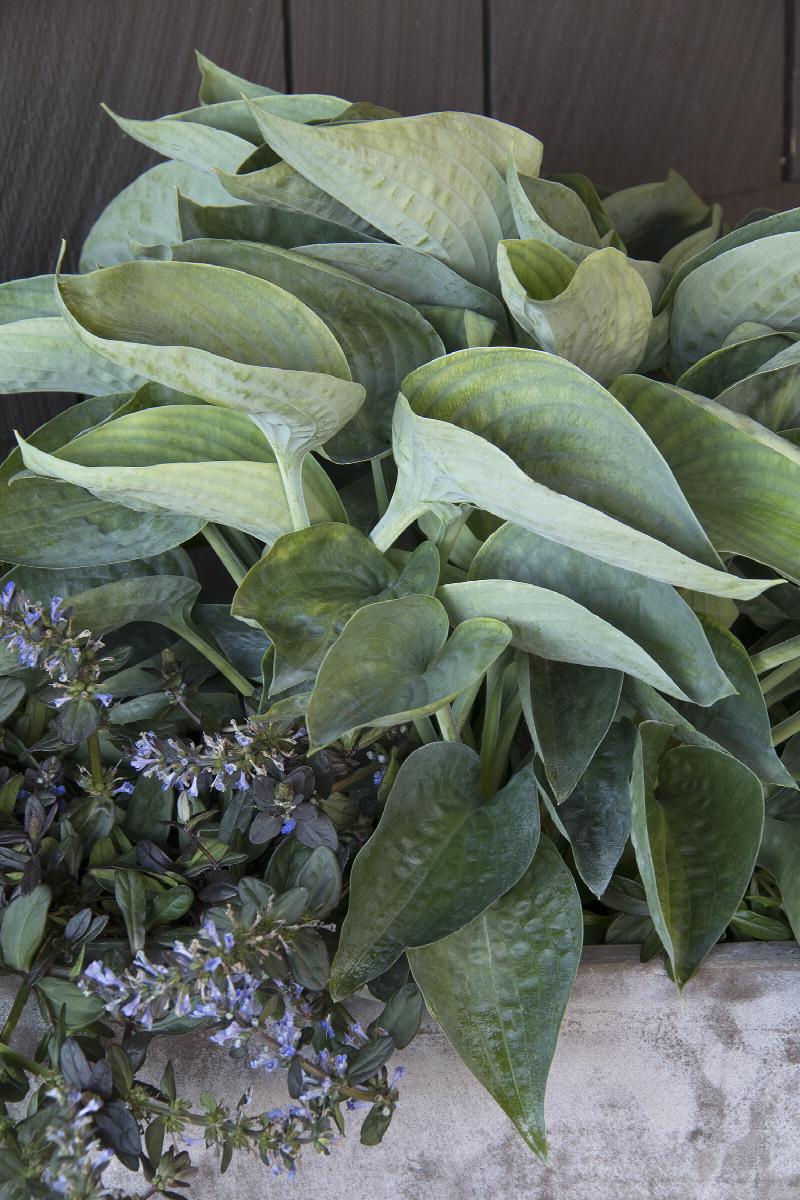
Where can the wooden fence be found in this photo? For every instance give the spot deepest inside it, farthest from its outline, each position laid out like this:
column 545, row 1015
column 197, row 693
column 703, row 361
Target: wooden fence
column 619, row 89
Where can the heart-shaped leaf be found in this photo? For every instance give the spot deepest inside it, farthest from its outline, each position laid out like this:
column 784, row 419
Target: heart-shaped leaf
column 499, row 987
column 441, row 854
column 697, row 820
column 312, row 581
column 394, row 662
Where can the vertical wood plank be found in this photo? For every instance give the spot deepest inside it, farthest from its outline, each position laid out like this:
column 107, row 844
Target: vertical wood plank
column 63, row 159
column 624, row 89
column 411, row 55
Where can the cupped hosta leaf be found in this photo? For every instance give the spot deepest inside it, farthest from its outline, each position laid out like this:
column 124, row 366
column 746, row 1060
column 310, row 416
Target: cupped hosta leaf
column 738, row 723
column 723, row 368
column 497, row 428
column 256, row 223
column 281, row 186
column 198, row 145
column 546, row 210
column 770, row 395
column 448, row 196
column 697, row 820
column 695, row 243
column 411, row 275
column 780, row 855
column 441, row 854
column 596, row 315
column 499, row 987
column 312, row 581
column 742, row 481
column 249, row 496
column 753, row 231
column 650, row 212
column 383, row 338
column 229, row 338
column 652, row 614
column 746, row 283
column 146, row 213
column 551, row 625
column 217, row 84
column 43, row 354
column 21, row 299
column 394, row 662
column 568, row 709
column 597, row 814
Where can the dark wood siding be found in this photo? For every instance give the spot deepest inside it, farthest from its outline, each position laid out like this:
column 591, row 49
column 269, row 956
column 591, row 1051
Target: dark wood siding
column 620, row 89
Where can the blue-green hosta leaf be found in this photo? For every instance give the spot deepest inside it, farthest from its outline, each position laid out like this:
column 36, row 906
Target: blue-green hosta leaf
column 738, row 723
column 597, row 814
column 654, row 209
column 64, row 426
column 40, row 583
column 448, row 196
column 552, row 213
column 568, row 709
column 198, row 145
column 742, row 481
column 217, row 84
column 694, row 243
column 236, row 117
column 596, row 315
column 551, row 625
column 43, row 354
column 498, row 429
column 752, row 282
column 162, row 599
column 312, row 581
column 229, row 338
column 698, row 816
column 146, row 213
column 411, row 275
column 21, row 299
column 771, row 394
column 441, row 854
column 202, row 462
column 383, row 338
column 281, row 186
column 499, row 987
column 780, row 855
column 651, row 614
column 393, row 662
column 784, row 222
column 723, row 368
column 255, row 223
column 459, row 328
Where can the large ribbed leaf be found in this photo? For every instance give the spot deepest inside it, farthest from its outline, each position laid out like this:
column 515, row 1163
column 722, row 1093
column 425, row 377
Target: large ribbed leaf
column 698, row 815
column 228, row 338
column 21, row 299
column 652, row 614
column 236, row 117
column 441, row 854
column 255, row 223
column 312, row 581
column 770, row 395
column 723, row 368
column 742, row 481
column 651, row 211
column 393, row 662
column 568, row 709
column 198, row 145
column 546, row 210
column 145, row 213
column 551, row 625
column 596, row 315
column 499, row 987
column 745, row 283
column 383, row 338
column 410, row 275
column 499, row 429
column 43, row 354
column 447, row 197
column 597, row 814
column 193, row 460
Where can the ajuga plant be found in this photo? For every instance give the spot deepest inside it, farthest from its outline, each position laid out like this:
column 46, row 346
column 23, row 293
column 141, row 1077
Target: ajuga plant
column 505, row 470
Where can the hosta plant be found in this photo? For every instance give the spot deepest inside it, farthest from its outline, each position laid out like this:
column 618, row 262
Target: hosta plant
column 504, row 470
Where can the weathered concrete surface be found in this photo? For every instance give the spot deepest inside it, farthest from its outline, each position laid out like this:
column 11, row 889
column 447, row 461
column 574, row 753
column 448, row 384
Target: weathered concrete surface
column 650, row 1098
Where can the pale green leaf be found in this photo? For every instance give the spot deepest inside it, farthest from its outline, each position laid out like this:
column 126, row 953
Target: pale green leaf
column 217, row 84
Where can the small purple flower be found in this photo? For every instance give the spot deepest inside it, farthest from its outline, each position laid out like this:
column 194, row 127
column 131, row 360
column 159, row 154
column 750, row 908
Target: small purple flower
column 7, row 595
column 288, row 825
